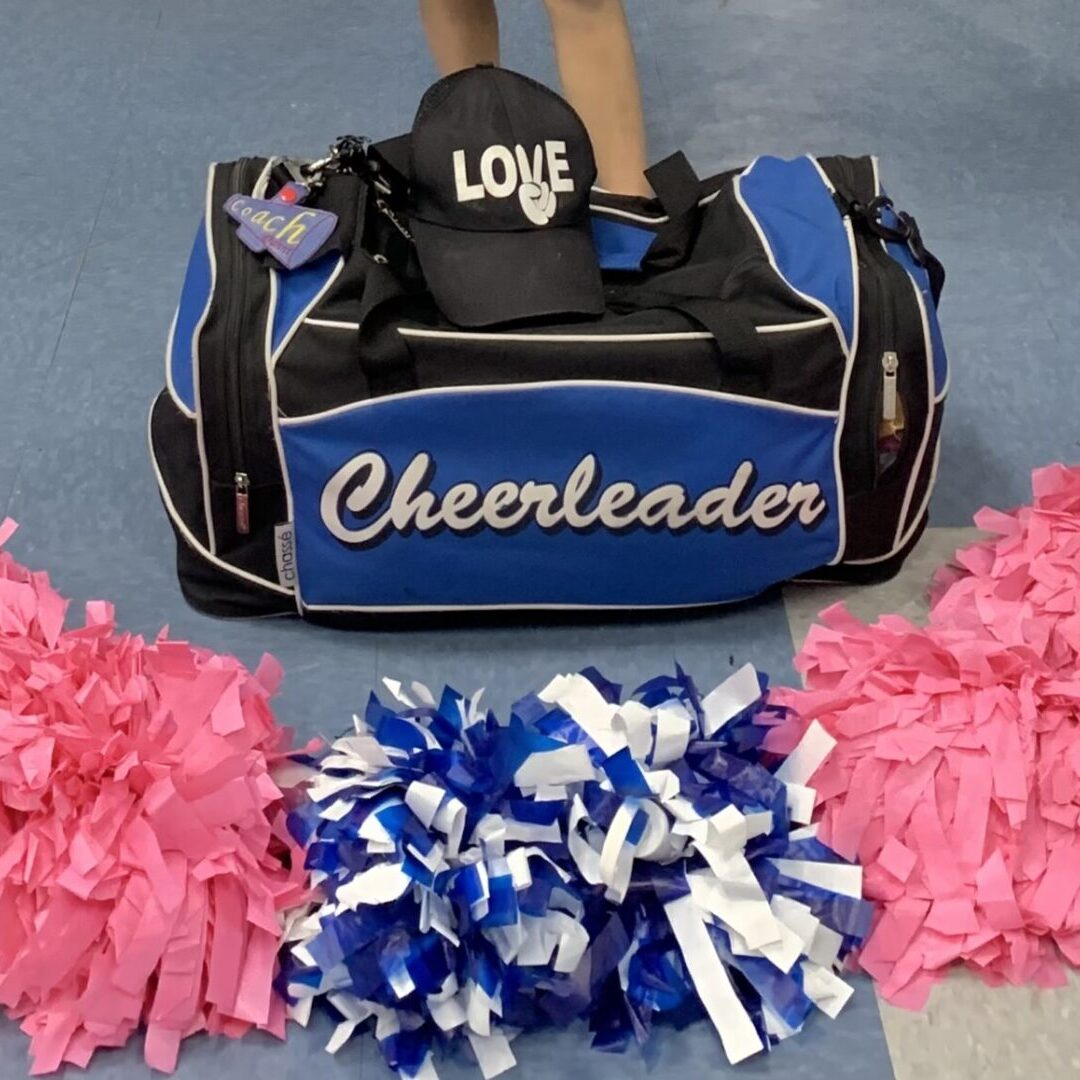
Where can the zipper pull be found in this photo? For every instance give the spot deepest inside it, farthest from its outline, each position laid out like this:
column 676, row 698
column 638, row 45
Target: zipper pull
column 243, row 503
column 890, row 365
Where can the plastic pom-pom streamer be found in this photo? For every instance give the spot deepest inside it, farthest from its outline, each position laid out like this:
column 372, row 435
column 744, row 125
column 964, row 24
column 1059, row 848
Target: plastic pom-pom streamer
column 144, row 855
column 620, row 861
column 956, row 779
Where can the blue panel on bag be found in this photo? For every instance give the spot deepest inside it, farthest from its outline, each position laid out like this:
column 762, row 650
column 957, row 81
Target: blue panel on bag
column 194, row 298
column 805, row 231
column 675, row 474
column 902, row 254
column 296, row 290
column 620, row 245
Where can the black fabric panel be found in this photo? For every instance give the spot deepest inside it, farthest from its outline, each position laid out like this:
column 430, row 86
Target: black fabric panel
column 890, row 320
column 397, row 153
column 936, row 271
column 215, row 592
column 726, row 238
column 320, row 371
column 871, row 573
column 174, row 443
column 804, row 368
column 345, row 196
column 926, row 471
column 206, row 586
column 874, row 511
column 441, row 362
column 873, row 517
column 852, row 177
column 405, row 621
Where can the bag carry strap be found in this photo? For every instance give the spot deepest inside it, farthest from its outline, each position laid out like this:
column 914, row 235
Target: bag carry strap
column 678, row 190
column 741, row 348
column 389, row 366
column 699, row 293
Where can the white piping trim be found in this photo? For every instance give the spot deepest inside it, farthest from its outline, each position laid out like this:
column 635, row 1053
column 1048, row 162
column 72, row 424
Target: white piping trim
column 271, row 382
column 629, row 215
column 786, row 328
column 196, row 362
column 302, row 318
column 948, row 382
column 332, row 324
column 422, row 610
column 263, row 182
column 168, row 368
column 560, row 339
column 189, row 537
column 605, row 384
column 849, row 368
column 645, row 219
column 457, row 335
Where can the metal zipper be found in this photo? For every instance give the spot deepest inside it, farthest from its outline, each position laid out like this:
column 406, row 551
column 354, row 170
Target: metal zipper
column 890, row 366
column 234, row 409
column 242, row 501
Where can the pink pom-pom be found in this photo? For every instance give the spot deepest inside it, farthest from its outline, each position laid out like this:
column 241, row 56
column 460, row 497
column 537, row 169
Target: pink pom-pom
column 956, row 778
column 143, row 850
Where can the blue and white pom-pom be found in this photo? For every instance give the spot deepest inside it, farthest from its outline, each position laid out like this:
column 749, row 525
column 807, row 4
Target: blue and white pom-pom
column 593, row 858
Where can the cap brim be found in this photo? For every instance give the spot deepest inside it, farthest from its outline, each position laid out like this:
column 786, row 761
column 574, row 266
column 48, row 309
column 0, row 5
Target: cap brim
column 484, row 278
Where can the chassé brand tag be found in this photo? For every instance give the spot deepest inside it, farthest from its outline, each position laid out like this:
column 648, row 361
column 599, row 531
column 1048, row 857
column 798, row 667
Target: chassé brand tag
column 285, row 552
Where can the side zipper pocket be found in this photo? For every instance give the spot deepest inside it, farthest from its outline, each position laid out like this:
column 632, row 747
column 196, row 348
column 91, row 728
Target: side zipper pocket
column 886, row 420
column 234, row 392
column 237, row 424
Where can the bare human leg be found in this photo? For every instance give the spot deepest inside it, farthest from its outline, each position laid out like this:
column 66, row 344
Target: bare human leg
column 599, row 75
column 461, row 33
column 596, row 62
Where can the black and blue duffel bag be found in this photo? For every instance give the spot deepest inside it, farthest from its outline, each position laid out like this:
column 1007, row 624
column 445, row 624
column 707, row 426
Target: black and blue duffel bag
column 761, row 400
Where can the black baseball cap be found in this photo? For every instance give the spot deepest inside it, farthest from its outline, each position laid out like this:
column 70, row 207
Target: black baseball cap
column 502, row 168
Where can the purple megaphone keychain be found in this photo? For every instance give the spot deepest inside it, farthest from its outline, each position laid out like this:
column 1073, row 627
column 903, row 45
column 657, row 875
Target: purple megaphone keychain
column 291, row 232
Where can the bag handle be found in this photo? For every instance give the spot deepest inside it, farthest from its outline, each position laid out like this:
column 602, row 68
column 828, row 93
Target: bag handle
column 678, row 191
column 389, row 366
column 742, row 350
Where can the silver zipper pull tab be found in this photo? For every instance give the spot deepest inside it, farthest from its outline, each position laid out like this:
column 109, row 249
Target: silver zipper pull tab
column 242, row 484
column 890, row 365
